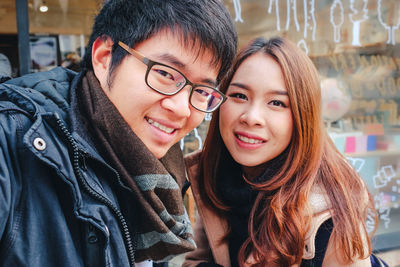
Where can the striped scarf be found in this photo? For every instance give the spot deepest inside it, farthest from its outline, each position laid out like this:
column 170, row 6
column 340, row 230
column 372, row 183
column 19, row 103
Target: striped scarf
column 164, row 230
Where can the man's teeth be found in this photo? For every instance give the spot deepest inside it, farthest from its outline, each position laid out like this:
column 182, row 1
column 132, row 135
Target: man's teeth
column 249, row 140
column 161, row 127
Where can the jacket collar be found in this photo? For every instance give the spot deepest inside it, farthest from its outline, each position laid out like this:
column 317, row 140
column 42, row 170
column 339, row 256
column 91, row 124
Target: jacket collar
column 41, row 92
column 215, row 226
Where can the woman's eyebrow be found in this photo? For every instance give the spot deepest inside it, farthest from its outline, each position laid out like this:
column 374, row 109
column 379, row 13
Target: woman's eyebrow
column 272, row 91
column 240, row 85
column 279, row 92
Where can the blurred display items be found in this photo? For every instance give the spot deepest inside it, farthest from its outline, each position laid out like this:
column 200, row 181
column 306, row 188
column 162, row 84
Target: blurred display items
column 336, row 99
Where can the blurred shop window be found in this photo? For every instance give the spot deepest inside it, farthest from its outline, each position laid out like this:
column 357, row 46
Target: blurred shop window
column 5, row 66
column 72, row 48
column 45, row 52
column 8, row 47
column 72, row 61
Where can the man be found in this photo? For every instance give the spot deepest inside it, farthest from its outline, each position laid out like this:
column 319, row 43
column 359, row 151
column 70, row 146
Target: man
column 90, row 168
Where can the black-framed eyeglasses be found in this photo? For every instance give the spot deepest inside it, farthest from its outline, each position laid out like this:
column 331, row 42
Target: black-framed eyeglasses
column 169, row 81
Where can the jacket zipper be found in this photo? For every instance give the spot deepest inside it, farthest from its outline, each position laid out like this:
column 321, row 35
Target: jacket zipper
column 129, row 243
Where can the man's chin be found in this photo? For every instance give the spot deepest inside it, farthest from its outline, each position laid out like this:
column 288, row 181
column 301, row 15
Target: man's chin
column 159, row 153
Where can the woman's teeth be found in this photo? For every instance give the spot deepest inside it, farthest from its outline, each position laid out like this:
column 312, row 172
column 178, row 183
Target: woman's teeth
column 249, row 140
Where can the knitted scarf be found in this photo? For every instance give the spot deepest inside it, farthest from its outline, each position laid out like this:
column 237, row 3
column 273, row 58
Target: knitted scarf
column 164, row 229
column 240, row 197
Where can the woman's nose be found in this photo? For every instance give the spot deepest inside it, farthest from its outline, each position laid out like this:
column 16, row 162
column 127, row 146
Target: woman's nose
column 252, row 116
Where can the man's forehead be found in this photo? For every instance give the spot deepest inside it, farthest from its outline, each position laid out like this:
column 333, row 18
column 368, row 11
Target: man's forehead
column 188, row 55
column 190, row 43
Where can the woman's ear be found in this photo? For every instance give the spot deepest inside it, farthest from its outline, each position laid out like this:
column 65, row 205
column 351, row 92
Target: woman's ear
column 101, row 59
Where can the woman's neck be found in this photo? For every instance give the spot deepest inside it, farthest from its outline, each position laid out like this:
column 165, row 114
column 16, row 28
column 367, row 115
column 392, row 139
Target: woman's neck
column 253, row 172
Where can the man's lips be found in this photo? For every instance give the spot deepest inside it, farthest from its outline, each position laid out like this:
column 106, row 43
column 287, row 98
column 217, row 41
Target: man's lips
column 160, row 126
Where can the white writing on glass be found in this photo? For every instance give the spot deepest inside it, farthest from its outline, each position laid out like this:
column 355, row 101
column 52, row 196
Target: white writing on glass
column 336, row 19
column 356, row 20
column 389, row 25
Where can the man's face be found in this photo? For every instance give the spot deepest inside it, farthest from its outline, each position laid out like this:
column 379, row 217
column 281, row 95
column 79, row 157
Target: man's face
column 159, row 121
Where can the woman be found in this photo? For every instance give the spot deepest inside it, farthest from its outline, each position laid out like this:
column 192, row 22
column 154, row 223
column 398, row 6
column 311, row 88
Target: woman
column 270, row 187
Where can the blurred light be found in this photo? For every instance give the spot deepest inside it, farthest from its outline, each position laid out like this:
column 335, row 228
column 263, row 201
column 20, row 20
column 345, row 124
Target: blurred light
column 43, row 7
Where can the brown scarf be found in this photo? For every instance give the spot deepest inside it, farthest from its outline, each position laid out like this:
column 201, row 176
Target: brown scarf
column 164, row 230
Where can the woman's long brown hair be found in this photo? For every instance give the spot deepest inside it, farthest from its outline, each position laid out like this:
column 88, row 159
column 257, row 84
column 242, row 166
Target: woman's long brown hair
column 281, row 216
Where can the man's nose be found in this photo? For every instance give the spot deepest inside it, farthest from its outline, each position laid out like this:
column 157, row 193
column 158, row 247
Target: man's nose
column 179, row 103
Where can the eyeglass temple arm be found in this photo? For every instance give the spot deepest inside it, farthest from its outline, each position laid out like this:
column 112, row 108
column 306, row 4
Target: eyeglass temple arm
column 133, row 52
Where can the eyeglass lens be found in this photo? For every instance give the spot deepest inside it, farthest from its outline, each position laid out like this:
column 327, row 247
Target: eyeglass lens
column 170, row 81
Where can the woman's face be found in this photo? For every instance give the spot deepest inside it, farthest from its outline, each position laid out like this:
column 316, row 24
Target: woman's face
column 256, row 121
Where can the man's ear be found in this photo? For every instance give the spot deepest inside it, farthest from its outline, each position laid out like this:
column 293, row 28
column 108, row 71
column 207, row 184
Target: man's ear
column 101, row 59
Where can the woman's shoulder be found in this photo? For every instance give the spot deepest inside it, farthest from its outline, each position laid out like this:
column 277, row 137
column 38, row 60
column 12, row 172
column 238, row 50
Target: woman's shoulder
column 192, row 166
column 320, row 208
column 318, row 200
column 193, row 158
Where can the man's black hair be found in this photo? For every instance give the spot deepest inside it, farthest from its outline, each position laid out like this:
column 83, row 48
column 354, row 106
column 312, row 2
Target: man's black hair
column 205, row 24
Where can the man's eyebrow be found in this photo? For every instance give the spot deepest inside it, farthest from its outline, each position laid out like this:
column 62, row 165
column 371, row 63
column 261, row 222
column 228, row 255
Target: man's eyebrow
column 171, row 59
column 176, row 63
column 212, row 83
